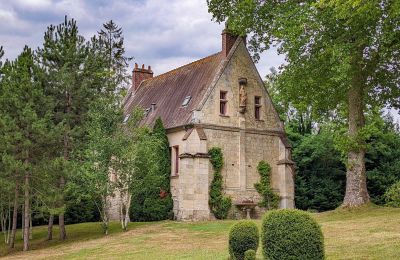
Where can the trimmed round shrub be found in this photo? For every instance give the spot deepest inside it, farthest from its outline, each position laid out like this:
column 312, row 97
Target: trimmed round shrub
column 291, row 234
column 250, row 255
column 243, row 236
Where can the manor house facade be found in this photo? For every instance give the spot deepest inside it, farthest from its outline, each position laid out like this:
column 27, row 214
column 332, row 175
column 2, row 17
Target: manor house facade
column 217, row 101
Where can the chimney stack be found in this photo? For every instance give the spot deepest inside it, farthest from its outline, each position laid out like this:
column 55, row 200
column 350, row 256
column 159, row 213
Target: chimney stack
column 140, row 74
column 228, row 40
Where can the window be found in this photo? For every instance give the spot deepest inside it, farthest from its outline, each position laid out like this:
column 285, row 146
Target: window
column 222, row 103
column 186, row 101
column 257, row 107
column 176, row 160
column 126, row 118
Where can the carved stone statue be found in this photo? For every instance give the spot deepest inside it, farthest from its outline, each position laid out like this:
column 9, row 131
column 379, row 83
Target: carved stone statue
column 242, row 95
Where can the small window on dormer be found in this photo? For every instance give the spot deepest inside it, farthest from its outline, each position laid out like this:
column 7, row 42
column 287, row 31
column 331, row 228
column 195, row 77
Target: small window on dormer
column 126, row 118
column 146, row 112
column 186, row 101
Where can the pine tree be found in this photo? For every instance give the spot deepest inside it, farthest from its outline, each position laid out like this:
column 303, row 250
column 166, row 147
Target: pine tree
column 64, row 56
column 25, row 110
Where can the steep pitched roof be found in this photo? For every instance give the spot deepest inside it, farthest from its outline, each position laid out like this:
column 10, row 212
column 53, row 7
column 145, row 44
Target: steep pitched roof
column 169, row 90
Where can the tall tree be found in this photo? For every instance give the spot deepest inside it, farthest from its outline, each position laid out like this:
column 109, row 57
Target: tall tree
column 63, row 57
column 341, row 55
column 112, row 42
column 26, row 110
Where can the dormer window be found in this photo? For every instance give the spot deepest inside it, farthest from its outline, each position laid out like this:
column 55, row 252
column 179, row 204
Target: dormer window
column 186, row 101
column 222, row 103
column 126, row 118
column 146, row 112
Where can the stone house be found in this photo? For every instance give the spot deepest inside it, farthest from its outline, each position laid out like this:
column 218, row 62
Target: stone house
column 217, row 101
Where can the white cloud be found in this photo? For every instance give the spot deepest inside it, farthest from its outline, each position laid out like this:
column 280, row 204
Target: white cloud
column 32, row 4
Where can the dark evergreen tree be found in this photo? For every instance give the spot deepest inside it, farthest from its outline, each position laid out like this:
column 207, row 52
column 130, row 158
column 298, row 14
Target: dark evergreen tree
column 151, row 196
column 25, row 111
column 63, row 56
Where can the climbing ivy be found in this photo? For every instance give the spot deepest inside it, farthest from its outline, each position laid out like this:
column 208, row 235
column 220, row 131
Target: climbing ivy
column 219, row 204
column 270, row 199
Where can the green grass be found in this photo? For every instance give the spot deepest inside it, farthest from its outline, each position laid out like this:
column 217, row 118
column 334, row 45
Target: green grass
column 367, row 233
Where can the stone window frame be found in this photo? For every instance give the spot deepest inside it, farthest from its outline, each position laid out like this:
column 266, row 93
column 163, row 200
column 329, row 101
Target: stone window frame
column 257, row 107
column 223, row 103
column 175, row 160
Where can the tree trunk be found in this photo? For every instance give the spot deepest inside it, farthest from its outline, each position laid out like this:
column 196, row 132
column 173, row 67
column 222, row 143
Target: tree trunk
column 26, row 212
column 30, row 226
column 356, row 179
column 61, row 222
column 50, row 228
column 15, row 217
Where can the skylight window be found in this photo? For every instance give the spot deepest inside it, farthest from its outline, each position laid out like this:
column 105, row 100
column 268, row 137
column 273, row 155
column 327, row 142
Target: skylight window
column 186, row 101
column 126, row 118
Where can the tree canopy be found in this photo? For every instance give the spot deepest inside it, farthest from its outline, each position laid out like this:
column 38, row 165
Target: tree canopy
column 342, row 57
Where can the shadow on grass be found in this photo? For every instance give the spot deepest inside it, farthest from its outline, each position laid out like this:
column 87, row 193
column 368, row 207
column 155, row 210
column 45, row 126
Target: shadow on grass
column 75, row 233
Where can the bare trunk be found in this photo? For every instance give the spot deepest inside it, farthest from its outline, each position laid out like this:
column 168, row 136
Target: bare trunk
column 26, row 212
column 50, row 228
column 30, row 227
column 356, row 179
column 61, row 222
column 104, row 216
column 124, row 212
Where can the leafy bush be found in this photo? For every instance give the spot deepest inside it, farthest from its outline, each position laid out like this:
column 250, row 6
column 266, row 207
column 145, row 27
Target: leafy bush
column 242, row 237
column 151, row 196
column 270, row 199
column 392, row 195
column 219, row 204
column 250, row 255
column 291, row 234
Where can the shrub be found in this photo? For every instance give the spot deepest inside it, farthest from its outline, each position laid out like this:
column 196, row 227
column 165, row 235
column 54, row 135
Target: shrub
column 242, row 237
column 250, row 255
column 291, row 234
column 392, row 195
column 219, row 204
column 270, row 199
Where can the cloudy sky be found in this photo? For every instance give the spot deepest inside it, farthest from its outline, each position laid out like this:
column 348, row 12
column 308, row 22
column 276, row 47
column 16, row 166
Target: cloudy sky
column 161, row 33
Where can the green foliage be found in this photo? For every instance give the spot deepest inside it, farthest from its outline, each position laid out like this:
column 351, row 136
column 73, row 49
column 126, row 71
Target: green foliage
column 340, row 56
column 250, row 255
column 151, row 196
column 291, row 234
column 382, row 158
column 392, row 195
column 243, row 236
column 219, row 204
column 321, row 175
column 270, row 199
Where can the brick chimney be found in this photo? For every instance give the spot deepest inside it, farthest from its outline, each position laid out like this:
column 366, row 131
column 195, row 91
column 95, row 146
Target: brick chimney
column 228, row 40
column 140, row 74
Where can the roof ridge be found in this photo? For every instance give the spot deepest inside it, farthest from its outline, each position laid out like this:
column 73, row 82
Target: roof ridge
column 181, row 67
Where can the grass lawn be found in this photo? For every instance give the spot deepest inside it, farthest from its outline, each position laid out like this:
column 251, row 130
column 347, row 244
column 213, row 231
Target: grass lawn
column 367, row 233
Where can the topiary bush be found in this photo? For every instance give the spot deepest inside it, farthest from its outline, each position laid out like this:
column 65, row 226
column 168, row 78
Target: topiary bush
column 392, row 195
column 250, row 255
column 291, row 234
column 219, row 204
column 243, row 236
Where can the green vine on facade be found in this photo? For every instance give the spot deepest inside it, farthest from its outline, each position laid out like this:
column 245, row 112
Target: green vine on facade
column 219, row 204
column 270, row 199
